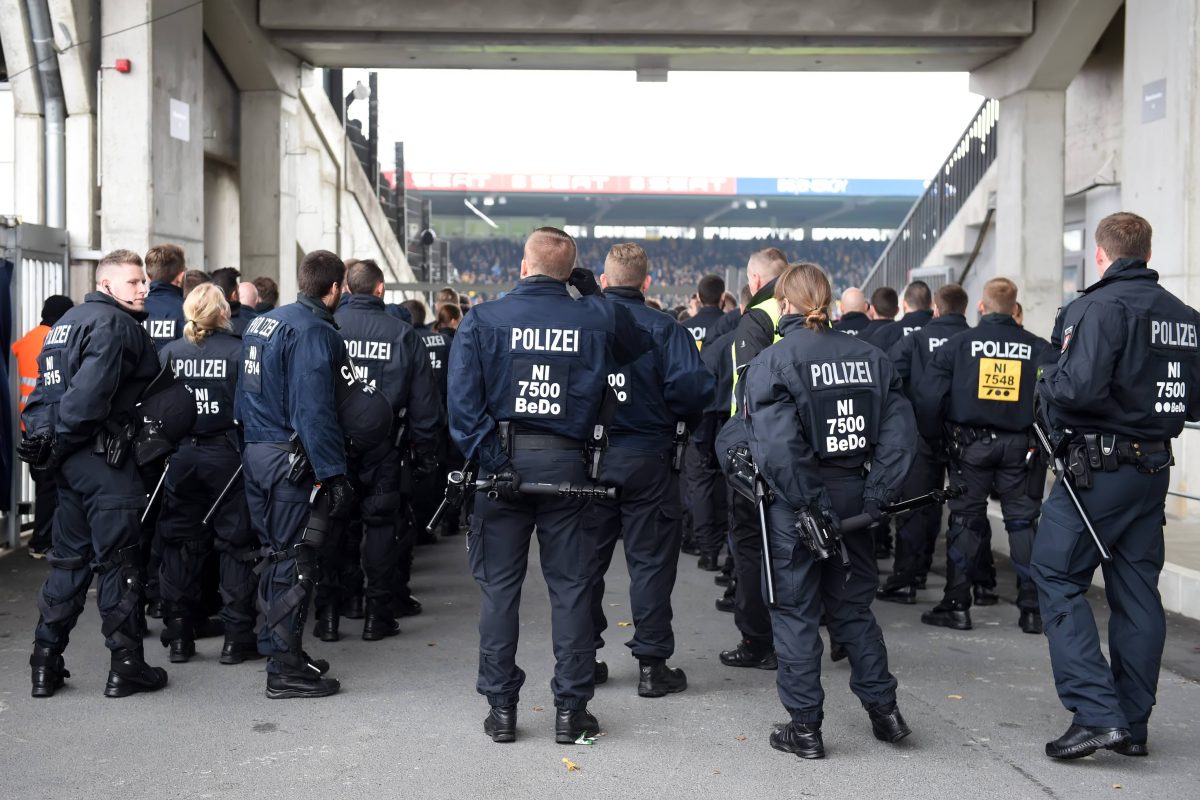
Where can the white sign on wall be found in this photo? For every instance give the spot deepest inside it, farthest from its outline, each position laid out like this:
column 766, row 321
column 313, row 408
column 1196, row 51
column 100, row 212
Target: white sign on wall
column 181, row 120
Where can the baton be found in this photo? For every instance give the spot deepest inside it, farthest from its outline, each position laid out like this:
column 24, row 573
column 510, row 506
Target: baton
column 564, row 489
column 221, row 498
column 157, row 490
column 1059, row 469
column 764, row 532
column 934, row 498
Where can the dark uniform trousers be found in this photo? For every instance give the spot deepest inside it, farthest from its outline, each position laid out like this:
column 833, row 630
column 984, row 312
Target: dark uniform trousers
column 498, row 548
column 917, row 531
column 200, row 469
column 44, row 499
column 651, row 546
column 749, row 608
column 706, row 490
column 994, row 461
column 370, row 547
column 1126, row 508
column 279, row 511
column 96, row 529
column 806, row 588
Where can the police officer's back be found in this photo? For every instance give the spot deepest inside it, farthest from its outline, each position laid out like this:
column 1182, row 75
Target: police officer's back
column 709, row 292
column 533, row 365
column 664, row 387
column 165, row 265
column 977, row 392
column 1124, row 384
column 918, row 302
column 94, row 365
column 854, row 319
column 882, row 311
column 240, row 315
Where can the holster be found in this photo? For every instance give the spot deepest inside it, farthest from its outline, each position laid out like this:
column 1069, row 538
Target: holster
column 115, row 442
column 1101, row 451
column 1035, row 466
column 1079, row 467
column 300, row 471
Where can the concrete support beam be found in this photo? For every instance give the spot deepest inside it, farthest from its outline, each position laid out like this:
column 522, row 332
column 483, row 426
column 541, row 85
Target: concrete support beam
column 1029, row 201
column 151, row 132
column 252, row 60
column 76, row 27
column 268, row 198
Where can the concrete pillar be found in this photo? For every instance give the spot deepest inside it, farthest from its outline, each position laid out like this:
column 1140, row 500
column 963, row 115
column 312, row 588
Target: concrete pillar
column 1029, row 201
column 151, row 133
column 268, row 197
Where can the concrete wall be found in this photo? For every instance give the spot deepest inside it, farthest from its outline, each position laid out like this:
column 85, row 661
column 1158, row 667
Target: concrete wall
column 1094, row 115
column 8, row 151
column 222, row 218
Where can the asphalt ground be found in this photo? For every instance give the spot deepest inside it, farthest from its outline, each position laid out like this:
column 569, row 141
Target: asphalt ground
column 408, row 721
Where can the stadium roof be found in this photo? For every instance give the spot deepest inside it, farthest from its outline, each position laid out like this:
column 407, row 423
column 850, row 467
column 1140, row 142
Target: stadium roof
column 657, row 200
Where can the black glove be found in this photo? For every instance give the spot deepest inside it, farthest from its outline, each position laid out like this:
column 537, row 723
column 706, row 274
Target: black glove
column 342, row 497
column 584, row 281
column 871, row 507
column 505, row 484
column 35, row 450
column 424, row 463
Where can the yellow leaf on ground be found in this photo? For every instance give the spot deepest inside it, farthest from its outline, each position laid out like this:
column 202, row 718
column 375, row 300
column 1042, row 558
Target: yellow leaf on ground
column 624, row 624
column 954, row 696
column 740, row 738
column 570, row 765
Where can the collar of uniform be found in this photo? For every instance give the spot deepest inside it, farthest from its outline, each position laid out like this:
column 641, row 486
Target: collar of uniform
column 997, row 319
column 949, row 319
column 162, row 287
column 362, row 301
column 851, row 315
column 540, row 284
column 765, row 293
column 791, row 322
column 922, row 315
column 626, row 293
column 234, row 308
column 318, row 308
column 1124, row 269
column 101, row 297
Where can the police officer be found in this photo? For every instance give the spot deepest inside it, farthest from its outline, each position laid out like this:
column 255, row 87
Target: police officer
column 704, row 484
column 881, row 311
column 204, row 498
column 94, row 365
column 437, row 340
column 527, row 374
column 977, row 392
column 239, row 315
column 916, row 535
column 917, row 313
column 1124, row 384
column 664, row 386
column 388, row 355
column 854, row 312
column 755, row 331
column 818, row 407
column 296, row 400
column 165, row 265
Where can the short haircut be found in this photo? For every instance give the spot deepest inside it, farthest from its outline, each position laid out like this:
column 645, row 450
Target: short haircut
column 1124, row 235
column 363, row 276
column 193, row 278
column 626, row 265
column 550, row 252
column 416, row 310
column 728, row 299
column 710, row 289
column 770, row 262
column 268, row 290
column 1000, row 296
column 917, row 296
column 885, row 302
column 745, row 296
column 652, row 303
column 227, row 279
column 319, row 271
column 165, row 262
column 950, row 299
column 445, row 295
column 447, row 313
column 116, row 258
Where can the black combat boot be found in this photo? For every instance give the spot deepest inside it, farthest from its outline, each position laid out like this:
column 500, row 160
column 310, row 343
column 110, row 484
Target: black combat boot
column 235, row 651
column 501, row 724
column 353, row 607
column 656, row 679
column 326, row 628
column 48, row 671
column 727, row 602
column 837, row 652
column 887, row 723
column 1131, row 747
column 289, row 685
column 129, row 674
column 379, row 622
column 984, row 595
column 571, row 724
column 1031, row 621
column 708, row 563
column 1079, row 741
column 179, row 635
column 897, row 593
column 748, row 654
column 948, row 614
column 600, row 673
column 800, row 738
column 405, row 605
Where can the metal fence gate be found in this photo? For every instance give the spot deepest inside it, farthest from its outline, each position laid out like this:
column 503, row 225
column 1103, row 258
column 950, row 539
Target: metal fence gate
column 40, row 265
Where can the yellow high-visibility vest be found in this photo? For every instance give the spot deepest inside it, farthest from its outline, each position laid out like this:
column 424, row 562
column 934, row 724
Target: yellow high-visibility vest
column 771, row 307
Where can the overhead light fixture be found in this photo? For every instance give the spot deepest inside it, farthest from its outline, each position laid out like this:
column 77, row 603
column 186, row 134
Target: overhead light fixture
column 750, row 204
column 489, row 201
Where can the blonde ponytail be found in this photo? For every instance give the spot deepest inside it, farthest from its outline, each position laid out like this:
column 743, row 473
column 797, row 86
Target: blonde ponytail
column 805, row 286
column 206, row 311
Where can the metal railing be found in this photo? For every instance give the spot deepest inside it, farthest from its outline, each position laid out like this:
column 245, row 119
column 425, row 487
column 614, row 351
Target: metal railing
column 1188, row 426
column 945, row 195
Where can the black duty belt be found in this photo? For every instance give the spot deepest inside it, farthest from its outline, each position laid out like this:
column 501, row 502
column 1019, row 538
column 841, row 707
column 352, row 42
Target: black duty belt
column 1131, row 452
column 209, row 439
column 836, row 471
column 544, row 441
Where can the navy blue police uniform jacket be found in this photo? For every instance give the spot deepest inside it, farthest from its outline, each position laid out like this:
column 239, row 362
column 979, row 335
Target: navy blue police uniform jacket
column 94, row 365
column 210, row 372
column 912, row 353
column 389, row 355
column 1130, row 359
column 852, row 323
column 818, row 399
column 290, row 359
column 164, row 313
column 662, row 386
column 240, row 316
column 699, row 325
column 888, row 334
column 538, row 359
